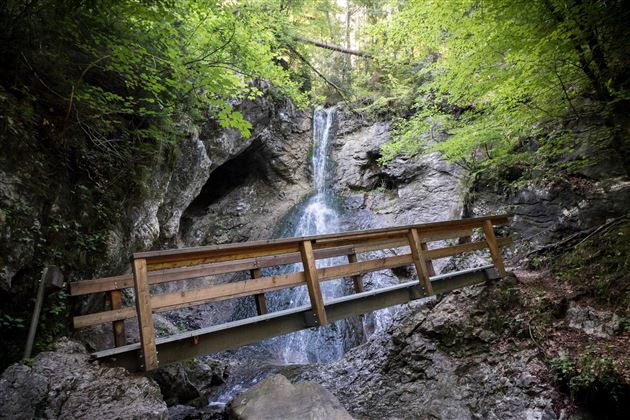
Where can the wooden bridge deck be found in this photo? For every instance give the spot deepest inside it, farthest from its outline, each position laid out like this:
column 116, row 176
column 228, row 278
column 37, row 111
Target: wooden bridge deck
column 157, row 267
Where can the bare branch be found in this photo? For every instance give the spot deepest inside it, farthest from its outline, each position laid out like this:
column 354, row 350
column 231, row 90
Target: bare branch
column 333, row 85
column 332, row 47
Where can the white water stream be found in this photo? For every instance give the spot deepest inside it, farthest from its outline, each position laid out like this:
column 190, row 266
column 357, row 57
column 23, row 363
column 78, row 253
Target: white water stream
column 317, row 215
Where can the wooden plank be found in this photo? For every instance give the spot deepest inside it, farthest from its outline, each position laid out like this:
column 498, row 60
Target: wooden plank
column 229, row 290
column 118, row 326
column 175, row 300
column 449, row 251
column 403, row 242
column 419, row 260
column 495, row 253
column 96, row 318
column 355, row 241
column 259, row 298
column 104, row 284
column 312, row 283
column 145, row 314
column 380, row 245
column 223, row 263
column 348, row 270
column 185, row 259
column 361, row 236
column 356, row 279
column 199, row 296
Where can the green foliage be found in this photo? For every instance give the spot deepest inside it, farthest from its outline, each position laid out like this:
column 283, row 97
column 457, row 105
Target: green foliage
column 98, row 94
column 7, row 322
column 495, row 75
column 588, row 377
column 562, row 367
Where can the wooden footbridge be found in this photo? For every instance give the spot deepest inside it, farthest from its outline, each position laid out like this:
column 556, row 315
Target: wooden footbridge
column 158, row 267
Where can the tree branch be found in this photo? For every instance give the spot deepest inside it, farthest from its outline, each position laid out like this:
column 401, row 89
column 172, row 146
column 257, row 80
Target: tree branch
column 332, row 47
column 333, row 85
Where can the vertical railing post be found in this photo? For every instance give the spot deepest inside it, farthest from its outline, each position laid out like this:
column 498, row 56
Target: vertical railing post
column 419, row 260
column 430, row 268
column 118, row 326
column 145, row 314
column 358, row 283
column 261, row 303
column 495, row 254
column 312, row 283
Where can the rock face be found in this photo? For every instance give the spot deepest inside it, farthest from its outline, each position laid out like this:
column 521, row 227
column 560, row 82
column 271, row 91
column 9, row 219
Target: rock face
column 441, row 362
column 276, row 398
column 64, row 384
column 591, row 321
column 421, row 189
column 224, row 187
column 187, row 382
column 243, row 197
column 546, row 211
column 219, row 187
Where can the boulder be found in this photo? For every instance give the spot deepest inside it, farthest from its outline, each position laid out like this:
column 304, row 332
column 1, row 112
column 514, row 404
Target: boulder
column 65, row 384
column 276, row 398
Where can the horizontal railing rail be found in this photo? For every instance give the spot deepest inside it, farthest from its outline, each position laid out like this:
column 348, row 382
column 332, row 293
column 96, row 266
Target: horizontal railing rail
column 158, row 267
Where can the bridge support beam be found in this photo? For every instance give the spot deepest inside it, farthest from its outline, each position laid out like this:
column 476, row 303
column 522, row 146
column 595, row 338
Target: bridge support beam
column 419, row 260
column 118, row 326
column 358, row 283
column 495, row 253
column 261, row 303
column 430, row 268
column 145, row 315
column 312, row 283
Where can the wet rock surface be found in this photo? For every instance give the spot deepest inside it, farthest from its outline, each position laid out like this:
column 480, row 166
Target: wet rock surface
column 64, row 384
column 188, row 383
column 277, row 398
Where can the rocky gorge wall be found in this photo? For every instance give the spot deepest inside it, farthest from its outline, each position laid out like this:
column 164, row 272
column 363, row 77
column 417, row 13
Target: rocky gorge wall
column 446, row 358
column 220, row 187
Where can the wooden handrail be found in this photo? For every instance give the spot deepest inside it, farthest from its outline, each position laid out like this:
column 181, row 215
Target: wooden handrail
column 158, row 259
column 174, row 265
column 106, row 284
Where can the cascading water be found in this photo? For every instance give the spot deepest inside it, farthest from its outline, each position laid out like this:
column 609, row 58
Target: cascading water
column 317, row 215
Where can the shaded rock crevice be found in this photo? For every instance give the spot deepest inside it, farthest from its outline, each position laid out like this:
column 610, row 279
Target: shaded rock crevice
column 244, row 168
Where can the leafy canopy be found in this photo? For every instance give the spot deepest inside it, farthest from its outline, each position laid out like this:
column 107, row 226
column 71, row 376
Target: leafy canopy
column 495, row 74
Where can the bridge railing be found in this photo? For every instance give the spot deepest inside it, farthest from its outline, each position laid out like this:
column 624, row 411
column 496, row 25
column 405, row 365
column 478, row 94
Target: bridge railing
column 157, row 267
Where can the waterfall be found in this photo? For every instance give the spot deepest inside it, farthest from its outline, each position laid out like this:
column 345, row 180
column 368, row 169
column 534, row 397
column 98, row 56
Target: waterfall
column 316, row 215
